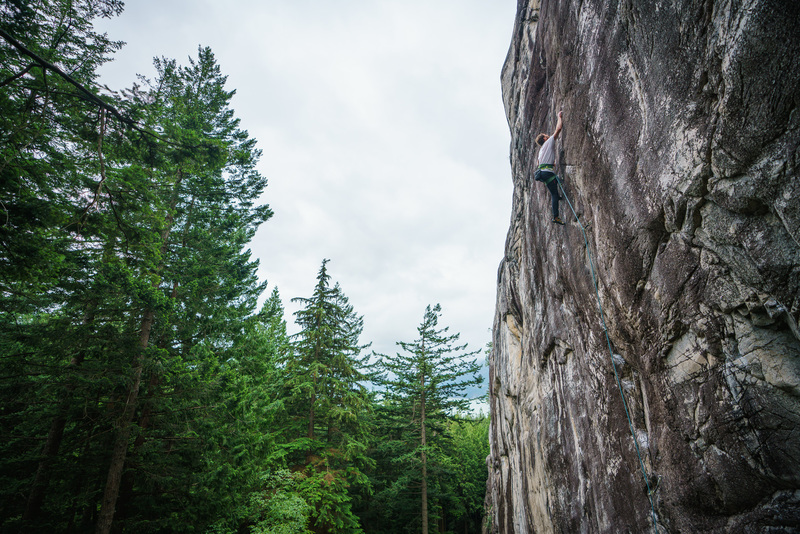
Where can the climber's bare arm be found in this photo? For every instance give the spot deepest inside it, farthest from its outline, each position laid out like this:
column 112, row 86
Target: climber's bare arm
column 558, row 126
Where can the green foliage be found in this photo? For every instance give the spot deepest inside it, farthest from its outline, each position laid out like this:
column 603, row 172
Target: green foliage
column 433, row 370
column 127, row 291
column 467, row 451
column 131, row 356
column 279, row 508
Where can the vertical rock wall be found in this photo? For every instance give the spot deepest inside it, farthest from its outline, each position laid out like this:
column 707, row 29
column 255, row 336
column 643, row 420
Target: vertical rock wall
column 680, row 155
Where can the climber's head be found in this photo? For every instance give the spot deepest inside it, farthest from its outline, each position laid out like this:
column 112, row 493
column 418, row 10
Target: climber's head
column 541, row 138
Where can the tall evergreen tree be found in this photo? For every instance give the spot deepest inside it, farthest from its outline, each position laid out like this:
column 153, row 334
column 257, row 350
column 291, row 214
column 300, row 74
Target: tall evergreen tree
column 242, row 466
column 325, row 399
column 125, row 277
column 423, row 388
column 52, row 146
column 203, row 279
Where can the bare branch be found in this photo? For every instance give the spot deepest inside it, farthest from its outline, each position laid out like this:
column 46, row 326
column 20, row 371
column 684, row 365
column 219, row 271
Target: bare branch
column 16, row 76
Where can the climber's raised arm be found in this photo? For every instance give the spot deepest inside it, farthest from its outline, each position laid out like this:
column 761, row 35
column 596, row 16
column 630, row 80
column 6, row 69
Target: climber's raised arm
column 558, row 126
column 543, row 137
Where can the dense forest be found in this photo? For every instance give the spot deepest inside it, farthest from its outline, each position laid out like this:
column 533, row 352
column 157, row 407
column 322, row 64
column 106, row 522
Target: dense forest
column 142, row 387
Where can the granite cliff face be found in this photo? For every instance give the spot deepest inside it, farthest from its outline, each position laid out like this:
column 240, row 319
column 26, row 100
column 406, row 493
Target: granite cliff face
column 680, row 154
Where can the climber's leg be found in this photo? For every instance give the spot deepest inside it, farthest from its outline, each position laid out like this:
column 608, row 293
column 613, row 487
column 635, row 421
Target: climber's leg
column 553, row 188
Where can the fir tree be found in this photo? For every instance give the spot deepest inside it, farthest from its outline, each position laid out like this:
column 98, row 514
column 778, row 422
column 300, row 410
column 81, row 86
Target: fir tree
column 423, row 388
column 326, row 400
column 125, row 276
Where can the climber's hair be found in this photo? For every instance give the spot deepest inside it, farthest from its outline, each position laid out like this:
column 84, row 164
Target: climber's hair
column 540, row 139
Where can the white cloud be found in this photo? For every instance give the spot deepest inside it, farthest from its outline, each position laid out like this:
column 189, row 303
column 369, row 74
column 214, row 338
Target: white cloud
column 383, row 138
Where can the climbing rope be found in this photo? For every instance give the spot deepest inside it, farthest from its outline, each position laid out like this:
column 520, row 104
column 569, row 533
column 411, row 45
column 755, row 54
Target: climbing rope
column 611, row 354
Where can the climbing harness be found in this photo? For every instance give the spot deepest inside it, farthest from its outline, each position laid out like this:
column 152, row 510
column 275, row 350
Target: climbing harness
column 539, row 175
column 611, row 353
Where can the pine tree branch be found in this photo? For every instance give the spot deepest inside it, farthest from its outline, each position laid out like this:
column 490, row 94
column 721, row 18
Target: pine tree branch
column 53, row 68
column 83, row 90
column 16, row 76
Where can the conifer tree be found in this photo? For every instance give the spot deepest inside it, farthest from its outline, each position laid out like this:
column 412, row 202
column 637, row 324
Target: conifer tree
column 125, row 276
column 325, row 432
column 465, row 484
column 201, row 278
column 241, row 464
column 423, row 387
column 51, row 150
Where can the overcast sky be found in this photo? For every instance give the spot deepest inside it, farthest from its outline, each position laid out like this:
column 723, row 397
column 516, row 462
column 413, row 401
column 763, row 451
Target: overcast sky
column 384, row 142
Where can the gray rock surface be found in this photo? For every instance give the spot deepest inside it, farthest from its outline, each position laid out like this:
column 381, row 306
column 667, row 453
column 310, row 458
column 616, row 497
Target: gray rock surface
column 680, row 155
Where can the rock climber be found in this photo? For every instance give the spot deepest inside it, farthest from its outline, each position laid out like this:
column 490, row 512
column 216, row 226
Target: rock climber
column 545, row 165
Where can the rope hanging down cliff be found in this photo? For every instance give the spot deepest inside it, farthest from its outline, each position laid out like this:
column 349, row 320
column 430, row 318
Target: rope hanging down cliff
column 611, row 354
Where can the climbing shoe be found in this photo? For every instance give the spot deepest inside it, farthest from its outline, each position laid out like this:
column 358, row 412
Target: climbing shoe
column 558, row 220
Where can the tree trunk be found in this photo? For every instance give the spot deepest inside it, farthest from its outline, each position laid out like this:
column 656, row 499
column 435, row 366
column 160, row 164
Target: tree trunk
column 310, row 452
column 42, row 478
column 124, row 432
column 120, row 450
column 424, row 461
column 54, row 436
column 128, row 478
column 82, row 485
column 311, row 417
